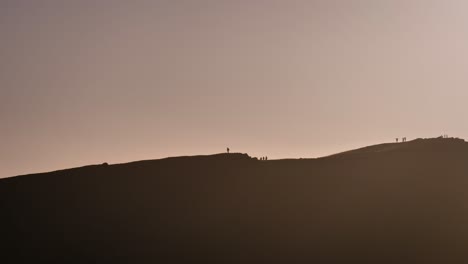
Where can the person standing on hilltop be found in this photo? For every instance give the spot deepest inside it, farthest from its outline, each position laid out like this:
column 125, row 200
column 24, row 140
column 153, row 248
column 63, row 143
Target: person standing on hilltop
column 228, row 150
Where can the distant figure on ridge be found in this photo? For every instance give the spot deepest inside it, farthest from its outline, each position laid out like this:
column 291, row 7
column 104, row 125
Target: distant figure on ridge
column 228, row 150
column 396, row 140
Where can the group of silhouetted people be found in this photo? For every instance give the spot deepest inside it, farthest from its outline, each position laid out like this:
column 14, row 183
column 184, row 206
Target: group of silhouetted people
column 402, row 139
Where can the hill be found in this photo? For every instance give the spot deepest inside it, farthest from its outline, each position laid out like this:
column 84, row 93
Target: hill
column 390, row 203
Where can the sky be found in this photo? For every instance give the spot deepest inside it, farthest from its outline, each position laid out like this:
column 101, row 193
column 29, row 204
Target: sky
column 87, row 82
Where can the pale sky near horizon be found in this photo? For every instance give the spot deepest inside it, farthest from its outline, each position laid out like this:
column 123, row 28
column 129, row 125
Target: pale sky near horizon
column 86, row 82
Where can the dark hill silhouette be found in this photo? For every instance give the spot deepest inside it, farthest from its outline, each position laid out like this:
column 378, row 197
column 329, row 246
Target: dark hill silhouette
column 391, row 203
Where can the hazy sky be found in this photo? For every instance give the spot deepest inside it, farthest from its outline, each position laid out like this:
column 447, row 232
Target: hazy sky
column 85, row 82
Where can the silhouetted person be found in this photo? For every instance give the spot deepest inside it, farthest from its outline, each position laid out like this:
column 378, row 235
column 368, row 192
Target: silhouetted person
column 396, row 140
column 266, row 157
column 228, row 150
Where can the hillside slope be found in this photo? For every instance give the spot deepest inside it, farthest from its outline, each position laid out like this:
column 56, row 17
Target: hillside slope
column 393, row 203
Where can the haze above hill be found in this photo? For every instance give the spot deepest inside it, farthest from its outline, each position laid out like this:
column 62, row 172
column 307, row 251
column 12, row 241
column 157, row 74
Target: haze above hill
column 125, row 80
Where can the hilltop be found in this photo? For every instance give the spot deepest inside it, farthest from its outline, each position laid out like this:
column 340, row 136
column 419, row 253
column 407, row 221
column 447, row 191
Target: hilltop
column 393, row 203
column 417, row 145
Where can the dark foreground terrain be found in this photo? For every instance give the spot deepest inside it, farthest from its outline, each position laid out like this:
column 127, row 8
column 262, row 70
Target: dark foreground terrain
column 390, row 203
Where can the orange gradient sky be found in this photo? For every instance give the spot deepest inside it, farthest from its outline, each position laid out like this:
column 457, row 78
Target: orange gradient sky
column 86, row 82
